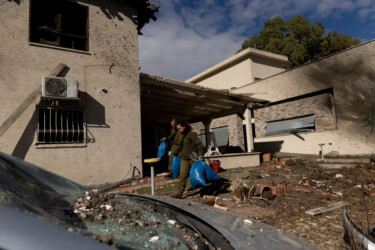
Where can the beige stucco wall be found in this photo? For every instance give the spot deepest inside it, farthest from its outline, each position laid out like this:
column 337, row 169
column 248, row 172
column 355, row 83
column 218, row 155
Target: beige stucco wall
column 240, row 69
column 234, row 72
column 234, row 75
column 351, row 74
column 113, row 117
column 262, row 68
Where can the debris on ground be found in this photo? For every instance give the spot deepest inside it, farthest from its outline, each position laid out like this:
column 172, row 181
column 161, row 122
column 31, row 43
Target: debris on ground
column 280, row 193
column 281, row 197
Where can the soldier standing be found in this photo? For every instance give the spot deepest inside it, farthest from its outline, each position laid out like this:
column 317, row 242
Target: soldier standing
column 188, row 143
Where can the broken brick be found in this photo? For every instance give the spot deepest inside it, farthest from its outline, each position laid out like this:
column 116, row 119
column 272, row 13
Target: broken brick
column 209, row 197
column 128, row 190
column 270, row 168
column 280, row 162
column 276, row 190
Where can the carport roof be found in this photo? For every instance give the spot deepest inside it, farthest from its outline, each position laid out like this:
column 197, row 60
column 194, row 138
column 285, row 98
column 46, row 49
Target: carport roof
column 163, row 99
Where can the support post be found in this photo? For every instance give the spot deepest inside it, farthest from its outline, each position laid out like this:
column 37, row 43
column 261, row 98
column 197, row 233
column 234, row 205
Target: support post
column 249, row 131
column 207, row 131
column 152, row 180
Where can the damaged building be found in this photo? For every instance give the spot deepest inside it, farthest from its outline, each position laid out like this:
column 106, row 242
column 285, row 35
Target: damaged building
column 72, row 98
column 69, row 85
column 321, row 107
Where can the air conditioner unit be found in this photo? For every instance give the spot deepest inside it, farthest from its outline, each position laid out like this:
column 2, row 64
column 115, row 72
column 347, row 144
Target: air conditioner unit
column 59, row 88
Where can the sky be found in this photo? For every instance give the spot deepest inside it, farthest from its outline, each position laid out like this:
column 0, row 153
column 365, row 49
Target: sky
column 190, row 36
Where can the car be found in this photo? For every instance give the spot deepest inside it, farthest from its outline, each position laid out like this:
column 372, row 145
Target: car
column 42, row 210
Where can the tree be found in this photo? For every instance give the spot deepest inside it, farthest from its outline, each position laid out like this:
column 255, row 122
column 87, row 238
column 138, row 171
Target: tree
column 298, row 39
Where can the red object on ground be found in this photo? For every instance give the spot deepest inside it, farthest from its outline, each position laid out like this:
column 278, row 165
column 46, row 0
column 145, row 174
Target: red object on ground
column 215, row 165
column 270, row 168
column 277, row 190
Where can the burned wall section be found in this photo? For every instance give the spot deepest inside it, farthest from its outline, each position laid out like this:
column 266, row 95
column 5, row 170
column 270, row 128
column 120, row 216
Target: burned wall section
column 108, row 76
column 321, row 106
column 351, row 75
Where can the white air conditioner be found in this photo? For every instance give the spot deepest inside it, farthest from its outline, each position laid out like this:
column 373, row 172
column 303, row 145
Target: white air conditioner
column 59, row 88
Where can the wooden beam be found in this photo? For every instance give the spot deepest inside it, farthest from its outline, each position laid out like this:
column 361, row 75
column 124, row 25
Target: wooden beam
column 197, row 90
column 169, row 109
column 163, row 91
column 163, row 116
column 26, row 103
column 328, row 208
column 187, row 106
column 233, row 111
column 177, row 102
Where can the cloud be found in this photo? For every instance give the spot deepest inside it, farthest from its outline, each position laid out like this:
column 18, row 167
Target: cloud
column 182, row 45
column 193, row 35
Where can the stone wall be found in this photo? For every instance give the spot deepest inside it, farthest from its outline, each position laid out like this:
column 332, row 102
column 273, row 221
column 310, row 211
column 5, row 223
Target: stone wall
column 235, row 129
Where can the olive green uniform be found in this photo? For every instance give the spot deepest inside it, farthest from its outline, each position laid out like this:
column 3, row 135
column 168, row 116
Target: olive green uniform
column 188, row 143
column 172, row 134
column 173, row 144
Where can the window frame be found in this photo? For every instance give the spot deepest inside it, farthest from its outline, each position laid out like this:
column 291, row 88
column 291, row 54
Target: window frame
column 292, row 130
column 63, row 5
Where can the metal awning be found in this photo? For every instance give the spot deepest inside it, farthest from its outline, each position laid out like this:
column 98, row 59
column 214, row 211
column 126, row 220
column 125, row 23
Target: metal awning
column 163, row 99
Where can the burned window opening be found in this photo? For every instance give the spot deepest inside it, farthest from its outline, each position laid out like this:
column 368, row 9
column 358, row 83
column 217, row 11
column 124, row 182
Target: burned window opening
column 59, row 23
column 56, row 125
column 291, row 125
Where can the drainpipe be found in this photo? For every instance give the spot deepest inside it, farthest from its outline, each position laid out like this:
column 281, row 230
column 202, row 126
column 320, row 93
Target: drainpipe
column 321, row 150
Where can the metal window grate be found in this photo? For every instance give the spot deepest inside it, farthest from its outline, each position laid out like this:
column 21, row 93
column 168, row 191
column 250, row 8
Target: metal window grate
column 55, row 125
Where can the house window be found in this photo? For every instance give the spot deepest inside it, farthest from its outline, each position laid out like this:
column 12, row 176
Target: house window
column 290, row 126
column 219, row 137
column 59, row 23
column 57, row 125
column 222, row 137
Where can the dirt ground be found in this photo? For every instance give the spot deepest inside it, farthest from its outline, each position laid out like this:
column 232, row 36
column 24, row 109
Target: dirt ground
column 312, row 187
column 280, row 192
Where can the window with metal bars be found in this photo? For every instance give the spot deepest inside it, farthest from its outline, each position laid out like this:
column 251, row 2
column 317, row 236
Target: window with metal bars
column 58, row 125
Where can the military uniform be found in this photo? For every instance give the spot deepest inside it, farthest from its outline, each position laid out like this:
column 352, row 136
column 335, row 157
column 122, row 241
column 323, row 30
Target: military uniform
column 188, row 143
column 173, row 143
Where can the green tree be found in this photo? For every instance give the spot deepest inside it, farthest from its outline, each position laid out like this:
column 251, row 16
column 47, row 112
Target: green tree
column 298, row 39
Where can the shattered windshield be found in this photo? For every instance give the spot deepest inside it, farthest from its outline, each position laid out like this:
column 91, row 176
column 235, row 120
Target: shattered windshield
column 117, row 221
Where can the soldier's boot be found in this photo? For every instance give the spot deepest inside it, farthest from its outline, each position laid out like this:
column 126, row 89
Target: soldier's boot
column 178, row 194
